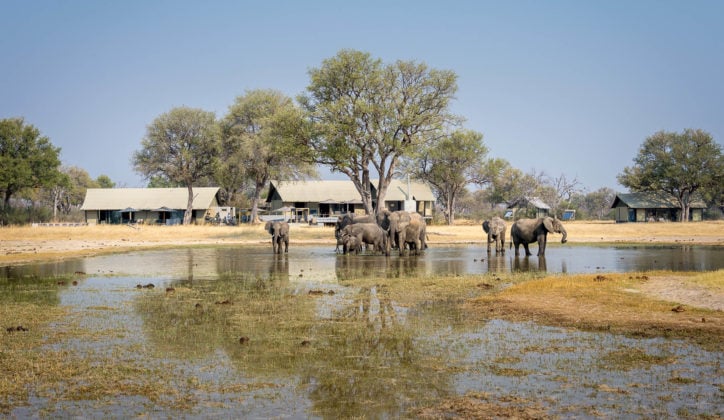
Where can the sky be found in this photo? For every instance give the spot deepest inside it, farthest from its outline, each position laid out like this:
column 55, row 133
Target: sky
column 562, row 87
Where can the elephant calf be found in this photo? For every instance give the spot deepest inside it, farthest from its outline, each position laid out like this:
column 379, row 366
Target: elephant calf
column 495, row 229
column 526, row 231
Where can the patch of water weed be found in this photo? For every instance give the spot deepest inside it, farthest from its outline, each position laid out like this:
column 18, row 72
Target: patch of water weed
column 632, row 358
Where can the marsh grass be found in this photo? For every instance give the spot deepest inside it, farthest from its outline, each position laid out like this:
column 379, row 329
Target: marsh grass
column 606, row 302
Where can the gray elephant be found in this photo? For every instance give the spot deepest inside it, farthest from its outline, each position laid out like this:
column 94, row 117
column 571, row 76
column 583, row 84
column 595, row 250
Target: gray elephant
column 411, row 235
column 526, row 231
column 495, row 229
column 395, row 222
column 367, row 233
column 350, row 219
column 351, row 243
column 280, row 234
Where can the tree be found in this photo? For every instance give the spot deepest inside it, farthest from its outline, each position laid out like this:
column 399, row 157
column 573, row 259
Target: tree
column 260, row 142
column 104, row 181
column 366, row 114
column 450, row 164
column 505, row 184
column 598, row 203
column 182, row 146
column 70, row 192
column 680, row 164
column 27, row 159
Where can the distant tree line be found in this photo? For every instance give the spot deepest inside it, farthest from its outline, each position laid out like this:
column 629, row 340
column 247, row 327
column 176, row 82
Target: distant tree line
column 361, row 117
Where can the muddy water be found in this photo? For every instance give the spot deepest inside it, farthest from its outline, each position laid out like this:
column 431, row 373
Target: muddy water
column 322, row 264
column 368, row 356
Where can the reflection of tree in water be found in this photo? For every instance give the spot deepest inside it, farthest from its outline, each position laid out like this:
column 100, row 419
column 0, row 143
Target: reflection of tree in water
column 368, row 357
column 374, row 361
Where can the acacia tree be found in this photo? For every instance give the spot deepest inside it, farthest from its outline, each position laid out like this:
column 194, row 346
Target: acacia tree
column 181, row 146
column 27, row 159
column 368, row 114
column 450, row 164
column 260, row 139
column 679, row 164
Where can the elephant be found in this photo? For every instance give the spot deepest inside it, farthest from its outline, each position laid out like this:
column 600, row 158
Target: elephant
column 395, row 222
column 351, row 243
column 350, row 219
column 280, row 234
column 368, row 233
column 495, row 229
column 411, row 235
column 526, row 231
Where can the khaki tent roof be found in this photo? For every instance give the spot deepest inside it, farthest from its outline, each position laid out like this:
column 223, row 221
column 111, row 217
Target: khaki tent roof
column 317, row 191
column 650, row 200
column 147, row 198
column 343, row 191
column 397, row 191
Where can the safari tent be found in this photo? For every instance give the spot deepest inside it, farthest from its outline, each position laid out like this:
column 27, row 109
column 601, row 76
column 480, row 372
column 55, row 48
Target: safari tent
column 317, row 199
column 652, row 207
column 146, row 205
column 527, row 207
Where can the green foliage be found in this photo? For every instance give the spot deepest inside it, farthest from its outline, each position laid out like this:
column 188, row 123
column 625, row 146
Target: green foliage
column 181, row 146
column 104, row 181
column 680, row 164
column 27, row 159
column 260, row 143
column 449, row 164
column 368, row 114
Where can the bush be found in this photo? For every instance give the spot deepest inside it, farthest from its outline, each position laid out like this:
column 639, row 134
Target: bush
column 24, row 215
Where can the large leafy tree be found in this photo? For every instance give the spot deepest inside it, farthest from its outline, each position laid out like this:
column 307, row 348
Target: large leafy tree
column 261, row 143
column 366, row 114
column 505, row 184
column 27, row 159
column 449, row 164
column 181, row 146
column 680, row 164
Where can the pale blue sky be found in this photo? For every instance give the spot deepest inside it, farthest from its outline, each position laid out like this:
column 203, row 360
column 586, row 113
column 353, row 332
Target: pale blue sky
column 564, row 87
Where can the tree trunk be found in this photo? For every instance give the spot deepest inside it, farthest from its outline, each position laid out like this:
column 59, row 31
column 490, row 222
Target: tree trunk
column 254, row 219
column 189, row 205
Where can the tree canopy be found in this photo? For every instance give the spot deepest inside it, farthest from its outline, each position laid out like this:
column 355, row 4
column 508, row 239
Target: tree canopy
column 680, row 164
column 260, row 143
column 449, row 164
column 27, row 159
column 181, row 146
column 366, row 114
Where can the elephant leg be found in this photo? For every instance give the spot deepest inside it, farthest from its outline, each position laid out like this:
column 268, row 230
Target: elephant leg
column 286, row 246
column 527, row 251
column 542, row 246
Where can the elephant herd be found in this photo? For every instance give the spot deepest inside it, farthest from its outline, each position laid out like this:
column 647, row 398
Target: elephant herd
column 402, row 230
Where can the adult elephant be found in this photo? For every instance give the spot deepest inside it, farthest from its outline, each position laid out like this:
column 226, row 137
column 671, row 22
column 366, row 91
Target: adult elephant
column 526, row 231
column 495, row 228
column 280, row 235
column 365, row 233
column 395, row 222
column 412, row 235
column 350, row 219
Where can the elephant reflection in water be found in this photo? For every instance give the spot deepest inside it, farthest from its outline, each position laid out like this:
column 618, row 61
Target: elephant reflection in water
column 371, row 266
column 497, row 263
column 279, row 267
column 524, row 264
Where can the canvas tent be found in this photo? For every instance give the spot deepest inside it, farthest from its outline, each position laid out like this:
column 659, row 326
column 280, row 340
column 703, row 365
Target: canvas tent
column 145, row 205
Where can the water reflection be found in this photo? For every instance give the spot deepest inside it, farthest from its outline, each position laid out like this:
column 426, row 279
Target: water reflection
column 322, row 265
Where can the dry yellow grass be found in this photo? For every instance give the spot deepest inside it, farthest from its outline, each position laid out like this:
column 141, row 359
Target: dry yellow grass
column 22, row 244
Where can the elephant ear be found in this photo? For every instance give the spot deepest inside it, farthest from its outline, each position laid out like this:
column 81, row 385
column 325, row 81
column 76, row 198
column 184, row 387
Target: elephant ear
column 486, row 226
column 548, row 223
column 268, row 227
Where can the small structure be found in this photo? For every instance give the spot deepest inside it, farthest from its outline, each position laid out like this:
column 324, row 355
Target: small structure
column 527, row 207
column 408, row 196
column 652, row 207
column 147, row 205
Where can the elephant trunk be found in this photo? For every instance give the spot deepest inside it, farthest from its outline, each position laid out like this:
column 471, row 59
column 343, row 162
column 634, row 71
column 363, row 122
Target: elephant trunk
column 565, row 235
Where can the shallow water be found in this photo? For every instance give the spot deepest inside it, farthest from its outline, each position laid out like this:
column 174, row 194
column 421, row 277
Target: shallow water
column 397, row 357
column 324, row 265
